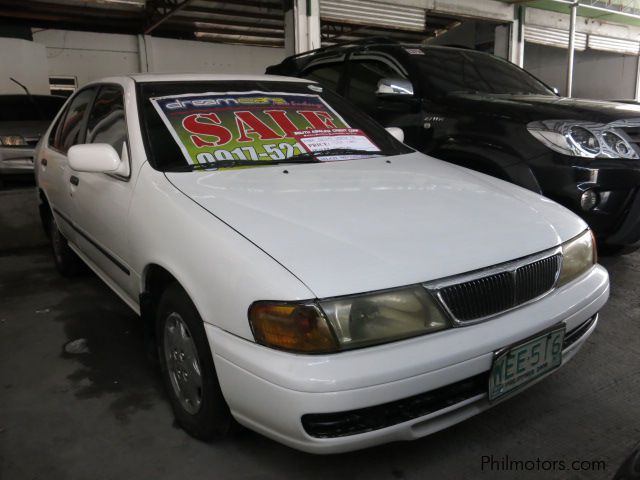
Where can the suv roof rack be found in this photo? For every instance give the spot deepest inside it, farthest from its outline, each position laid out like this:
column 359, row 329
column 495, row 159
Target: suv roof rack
column 356, row 43
column 291, row 62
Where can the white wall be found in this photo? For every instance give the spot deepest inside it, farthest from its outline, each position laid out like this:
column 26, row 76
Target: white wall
column 169, row 56
column 89, row 56
column 596, row 74
column 26, row 62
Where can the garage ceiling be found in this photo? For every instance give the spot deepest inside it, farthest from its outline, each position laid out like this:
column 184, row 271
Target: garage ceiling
column 255, row 22
column 252, row 22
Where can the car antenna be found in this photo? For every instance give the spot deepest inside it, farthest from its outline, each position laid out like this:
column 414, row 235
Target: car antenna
column 23, row 87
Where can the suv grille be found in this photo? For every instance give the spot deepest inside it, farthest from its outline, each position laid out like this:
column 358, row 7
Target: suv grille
column 493, row 294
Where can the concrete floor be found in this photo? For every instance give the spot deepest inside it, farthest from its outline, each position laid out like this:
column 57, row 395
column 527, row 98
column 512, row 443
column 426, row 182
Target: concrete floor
column 103, row 414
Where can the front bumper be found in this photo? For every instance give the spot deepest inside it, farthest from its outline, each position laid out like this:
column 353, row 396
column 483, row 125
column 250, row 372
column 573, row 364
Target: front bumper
column 276, row 393
column 16, row 160
column 616, row 218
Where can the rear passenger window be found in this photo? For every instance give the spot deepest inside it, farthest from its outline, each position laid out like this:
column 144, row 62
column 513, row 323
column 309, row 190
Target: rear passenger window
column 106, row 122
column 326, row 74
column 70, row 131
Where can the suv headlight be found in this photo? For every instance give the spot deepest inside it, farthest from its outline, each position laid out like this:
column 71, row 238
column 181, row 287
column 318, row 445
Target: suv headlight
column 578, row 255
column 347, row 322
column 583, row 139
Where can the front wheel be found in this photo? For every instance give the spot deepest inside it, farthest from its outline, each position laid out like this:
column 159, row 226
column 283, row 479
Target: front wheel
column 187, row 368
column 66, row 260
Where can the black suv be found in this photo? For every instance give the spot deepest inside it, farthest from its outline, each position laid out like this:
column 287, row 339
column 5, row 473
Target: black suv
column 484, row 113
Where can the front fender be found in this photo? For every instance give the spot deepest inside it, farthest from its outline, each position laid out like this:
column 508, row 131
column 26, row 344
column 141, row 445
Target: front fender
column 222, row 271
column 492, row 160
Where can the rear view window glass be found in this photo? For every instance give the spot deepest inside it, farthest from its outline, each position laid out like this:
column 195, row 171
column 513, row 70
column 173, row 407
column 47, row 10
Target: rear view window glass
column 25, row 108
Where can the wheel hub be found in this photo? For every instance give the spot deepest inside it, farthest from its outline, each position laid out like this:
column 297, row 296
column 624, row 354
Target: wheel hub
column 182, row 362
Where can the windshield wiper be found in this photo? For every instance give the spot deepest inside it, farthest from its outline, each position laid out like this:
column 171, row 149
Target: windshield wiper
column 306, row 157
column 334, row 151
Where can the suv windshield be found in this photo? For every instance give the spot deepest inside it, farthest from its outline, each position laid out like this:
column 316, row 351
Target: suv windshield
column 449, row 70
column 218, row 125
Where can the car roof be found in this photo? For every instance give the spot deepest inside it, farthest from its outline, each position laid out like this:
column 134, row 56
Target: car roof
column 294, row 63
column 186, row 77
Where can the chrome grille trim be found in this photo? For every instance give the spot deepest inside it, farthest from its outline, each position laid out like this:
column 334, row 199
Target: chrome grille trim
column 480, row 295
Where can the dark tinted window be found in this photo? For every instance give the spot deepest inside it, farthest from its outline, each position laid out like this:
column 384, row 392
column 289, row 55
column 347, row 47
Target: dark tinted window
column 363, row 81
column 69, row 131
column 450, row 70
column 326, row 74
column 106, row 123
column 22, row 108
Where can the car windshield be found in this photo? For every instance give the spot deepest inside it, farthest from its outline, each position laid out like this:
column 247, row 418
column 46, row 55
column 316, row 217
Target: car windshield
column 26, row 108
column 220, row 125
column 449, row 70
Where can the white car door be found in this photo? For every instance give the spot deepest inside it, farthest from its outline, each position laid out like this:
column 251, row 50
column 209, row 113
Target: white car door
column 55, row 175
column 100, row 200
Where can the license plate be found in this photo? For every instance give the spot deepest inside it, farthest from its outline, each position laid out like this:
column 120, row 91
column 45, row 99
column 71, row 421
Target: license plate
column 518, row 365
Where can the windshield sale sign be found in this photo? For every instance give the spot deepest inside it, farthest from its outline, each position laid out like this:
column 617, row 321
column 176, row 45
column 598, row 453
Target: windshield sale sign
column 266, row 126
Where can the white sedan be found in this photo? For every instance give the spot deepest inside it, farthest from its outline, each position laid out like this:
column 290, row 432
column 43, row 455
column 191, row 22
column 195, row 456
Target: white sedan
column 300, row 270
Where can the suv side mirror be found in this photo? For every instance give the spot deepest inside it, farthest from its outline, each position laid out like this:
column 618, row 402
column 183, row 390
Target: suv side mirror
column 94, row 157
column 395, row 88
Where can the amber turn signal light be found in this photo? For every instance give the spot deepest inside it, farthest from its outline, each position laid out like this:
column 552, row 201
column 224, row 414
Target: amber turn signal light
column 292, row 327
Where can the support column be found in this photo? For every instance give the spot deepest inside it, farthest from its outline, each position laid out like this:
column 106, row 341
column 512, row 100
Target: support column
column 572, row 47
column 516, row 44
column 637, row 92
column 302, row 26
column 144, row 53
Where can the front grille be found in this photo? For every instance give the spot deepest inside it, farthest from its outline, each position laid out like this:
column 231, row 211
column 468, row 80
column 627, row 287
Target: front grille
column 352, row 422
column 489, row 295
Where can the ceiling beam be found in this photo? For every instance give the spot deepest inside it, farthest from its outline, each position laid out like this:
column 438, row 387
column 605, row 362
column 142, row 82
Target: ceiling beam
column 162, row 10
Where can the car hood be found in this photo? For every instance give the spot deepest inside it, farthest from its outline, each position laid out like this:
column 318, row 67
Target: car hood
column 363, row 225
column 529, row 108
column 28, row 129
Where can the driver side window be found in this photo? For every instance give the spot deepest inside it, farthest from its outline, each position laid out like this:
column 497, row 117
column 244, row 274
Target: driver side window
column 364, row 75
column 69, row 130
column 106, row 122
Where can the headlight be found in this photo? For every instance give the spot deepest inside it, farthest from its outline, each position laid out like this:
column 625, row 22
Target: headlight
column 583, row 139
column 349, row 322
column 578, row 256
column 12, row 141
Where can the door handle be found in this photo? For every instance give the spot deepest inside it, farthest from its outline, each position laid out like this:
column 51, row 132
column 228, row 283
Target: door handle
column 43, row 162
column 74, row 180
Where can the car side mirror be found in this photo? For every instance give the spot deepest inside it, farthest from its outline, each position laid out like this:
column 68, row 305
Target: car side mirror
column 94, row 157
column 396, row 133
column 394, row 88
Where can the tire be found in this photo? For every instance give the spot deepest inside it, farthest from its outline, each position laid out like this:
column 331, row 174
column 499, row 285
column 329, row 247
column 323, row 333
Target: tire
column 66, row 260
column 187, row 368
